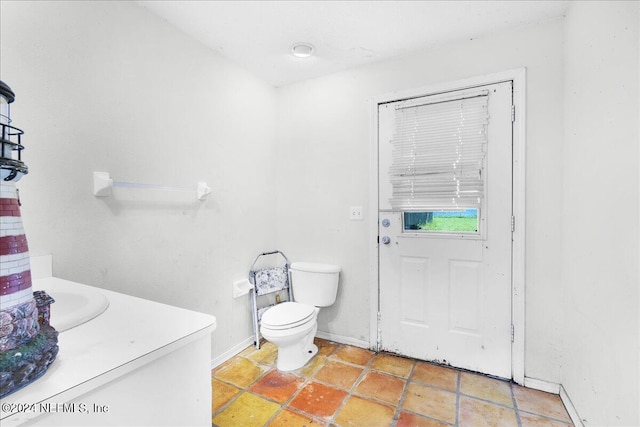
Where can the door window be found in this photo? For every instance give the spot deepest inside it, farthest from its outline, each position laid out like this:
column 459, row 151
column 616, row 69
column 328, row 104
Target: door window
column 442, row 221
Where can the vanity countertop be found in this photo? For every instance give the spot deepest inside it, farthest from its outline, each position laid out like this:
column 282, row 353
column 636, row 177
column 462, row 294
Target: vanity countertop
column 129, row 334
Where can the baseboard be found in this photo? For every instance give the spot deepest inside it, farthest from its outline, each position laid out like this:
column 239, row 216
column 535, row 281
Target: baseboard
column 219, row 360
column 573, row 414
column 555, row 388
column 542, row 385
column 343, row 340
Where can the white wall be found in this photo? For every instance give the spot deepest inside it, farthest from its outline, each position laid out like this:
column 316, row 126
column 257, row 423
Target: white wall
column 600, row 360
column 323, row 153
column 107, row 86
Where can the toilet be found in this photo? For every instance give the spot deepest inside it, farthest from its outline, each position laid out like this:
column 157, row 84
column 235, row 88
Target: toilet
column 292, row 325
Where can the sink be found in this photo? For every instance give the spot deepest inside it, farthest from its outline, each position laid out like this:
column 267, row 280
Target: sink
column 75, row 304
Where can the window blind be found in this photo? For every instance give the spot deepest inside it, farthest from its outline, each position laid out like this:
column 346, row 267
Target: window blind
column 438, row 154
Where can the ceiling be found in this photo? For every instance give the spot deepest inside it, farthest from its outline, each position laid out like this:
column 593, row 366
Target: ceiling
column 258, row 35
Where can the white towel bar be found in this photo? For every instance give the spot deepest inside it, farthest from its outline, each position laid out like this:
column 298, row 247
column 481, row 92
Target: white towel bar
column 103, row 186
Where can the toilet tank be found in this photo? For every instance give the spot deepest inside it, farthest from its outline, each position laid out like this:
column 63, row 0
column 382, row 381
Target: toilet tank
column 314, row 284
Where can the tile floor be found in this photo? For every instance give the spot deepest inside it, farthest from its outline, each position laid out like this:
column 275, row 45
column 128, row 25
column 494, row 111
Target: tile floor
column 349, row 386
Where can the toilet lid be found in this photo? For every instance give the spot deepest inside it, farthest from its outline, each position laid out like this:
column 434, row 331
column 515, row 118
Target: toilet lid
column 287, row 315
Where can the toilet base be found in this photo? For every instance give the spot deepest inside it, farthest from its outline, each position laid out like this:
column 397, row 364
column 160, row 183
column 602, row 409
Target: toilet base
column 292, row 362
column 286, row 364
column 294, row 349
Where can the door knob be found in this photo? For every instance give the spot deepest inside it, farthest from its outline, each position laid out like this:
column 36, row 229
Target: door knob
column 386, row 240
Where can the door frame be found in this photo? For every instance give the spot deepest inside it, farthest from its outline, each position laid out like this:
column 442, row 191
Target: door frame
column 518, row 77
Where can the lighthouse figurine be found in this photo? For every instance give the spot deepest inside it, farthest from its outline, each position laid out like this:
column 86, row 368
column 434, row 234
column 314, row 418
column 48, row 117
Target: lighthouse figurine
column 27, row 348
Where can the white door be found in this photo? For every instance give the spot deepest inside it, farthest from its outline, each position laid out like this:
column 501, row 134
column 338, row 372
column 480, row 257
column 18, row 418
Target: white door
column 445, row 275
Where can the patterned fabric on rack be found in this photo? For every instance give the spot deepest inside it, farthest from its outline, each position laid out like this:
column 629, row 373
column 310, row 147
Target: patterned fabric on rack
column 271, row 280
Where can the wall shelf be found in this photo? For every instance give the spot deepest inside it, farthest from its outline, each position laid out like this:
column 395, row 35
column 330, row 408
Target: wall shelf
column 103, row 186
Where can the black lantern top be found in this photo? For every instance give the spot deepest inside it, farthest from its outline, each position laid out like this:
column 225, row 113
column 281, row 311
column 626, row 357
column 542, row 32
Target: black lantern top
column 11, row 166
column 6, row 91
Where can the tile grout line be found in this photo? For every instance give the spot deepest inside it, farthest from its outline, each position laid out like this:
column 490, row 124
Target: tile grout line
column 410, row 380
column 365, row 368
column 246, row 389
column 233, row 399
column 311, row 378
column 515, row 406
column 262, row 361
column 403, row 395
column 307, row 379
column 481, row 399
column 242, row 390
column 546, row 417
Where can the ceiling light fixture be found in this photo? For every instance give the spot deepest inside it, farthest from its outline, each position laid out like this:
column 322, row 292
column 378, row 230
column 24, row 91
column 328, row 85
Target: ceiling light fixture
column 302, row 50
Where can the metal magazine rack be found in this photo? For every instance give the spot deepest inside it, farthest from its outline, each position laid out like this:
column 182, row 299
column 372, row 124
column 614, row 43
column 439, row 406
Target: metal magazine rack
column 270, row 287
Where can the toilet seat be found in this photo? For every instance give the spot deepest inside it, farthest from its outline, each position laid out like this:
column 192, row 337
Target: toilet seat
column 288, row 315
